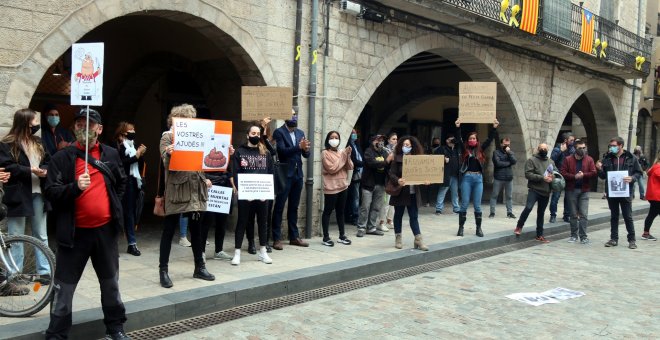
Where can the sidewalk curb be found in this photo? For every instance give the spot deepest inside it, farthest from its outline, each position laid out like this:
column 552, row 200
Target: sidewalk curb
column 172, row 307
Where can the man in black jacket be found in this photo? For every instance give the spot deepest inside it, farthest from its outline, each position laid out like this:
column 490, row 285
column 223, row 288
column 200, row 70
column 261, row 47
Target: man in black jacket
column 86, row 200
column 503, row 162
column 450, row 182
column 373, row 187
column 618, row 159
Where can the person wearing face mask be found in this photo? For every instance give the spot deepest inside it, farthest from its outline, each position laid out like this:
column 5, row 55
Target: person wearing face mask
column 618, row 159
column 336, row 165
column 472, row 163
column 538, row 184
column 86, row 200
column 251, row 158
column 53, row 135
column 578, row 170
column 559, row 153
column 503, row 161
column 409, row 195
column 352, row 210
column 387, row 211
column 451, row 152
column 130, row 158
column 372, row 186
column 23, row 156
column 644, row 164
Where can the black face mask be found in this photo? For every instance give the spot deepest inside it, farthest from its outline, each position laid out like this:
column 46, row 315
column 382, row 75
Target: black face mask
column 35, row 129
column 543, row 153
column 435, row 145
column 130, row 135
column 291, row 123
column 254, row 140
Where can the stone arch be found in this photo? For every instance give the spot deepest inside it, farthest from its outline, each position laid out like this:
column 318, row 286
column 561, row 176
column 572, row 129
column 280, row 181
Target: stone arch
column 475, row 61
column 210, row 20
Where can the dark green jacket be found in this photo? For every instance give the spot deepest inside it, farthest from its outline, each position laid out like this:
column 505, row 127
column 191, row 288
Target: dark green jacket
column 535, row 168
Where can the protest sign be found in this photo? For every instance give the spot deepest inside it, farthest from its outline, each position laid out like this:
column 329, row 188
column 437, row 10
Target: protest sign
column 420, row 169
column 255, row 187
column 534, row 299
column 616, row 187
column 259, row 102
column 219, row 199
column 200, row 144
column 477, row 102
column 87, row 74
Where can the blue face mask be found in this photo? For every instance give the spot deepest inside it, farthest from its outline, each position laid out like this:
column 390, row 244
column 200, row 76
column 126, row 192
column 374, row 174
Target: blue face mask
column 406, row 149
column 614, row 149
column 353, row 136
column 53, row 121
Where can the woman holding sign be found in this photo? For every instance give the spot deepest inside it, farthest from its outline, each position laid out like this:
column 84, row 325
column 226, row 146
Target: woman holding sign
column 472, row 163
column 335, row 182
column 408, row 195
column 186, row 192
column 251, row 158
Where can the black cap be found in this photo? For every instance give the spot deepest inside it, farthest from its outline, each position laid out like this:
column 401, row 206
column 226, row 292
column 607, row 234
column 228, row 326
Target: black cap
column 93, row 115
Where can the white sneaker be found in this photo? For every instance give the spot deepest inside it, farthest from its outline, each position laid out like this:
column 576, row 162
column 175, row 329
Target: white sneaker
column 221, row 255
column 184, row 242
column 382, row 227
column 236, row 260
column 263, row 256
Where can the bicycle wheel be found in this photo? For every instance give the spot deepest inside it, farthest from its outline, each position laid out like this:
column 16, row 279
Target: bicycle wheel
column 27, row 286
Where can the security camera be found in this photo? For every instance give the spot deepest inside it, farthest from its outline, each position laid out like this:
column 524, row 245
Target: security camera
column 350, row 7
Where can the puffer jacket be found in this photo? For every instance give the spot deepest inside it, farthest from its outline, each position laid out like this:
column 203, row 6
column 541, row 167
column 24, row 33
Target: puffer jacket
column 185, row 191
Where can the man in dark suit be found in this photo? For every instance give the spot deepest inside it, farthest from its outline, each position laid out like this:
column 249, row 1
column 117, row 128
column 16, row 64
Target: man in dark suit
column 291, row 145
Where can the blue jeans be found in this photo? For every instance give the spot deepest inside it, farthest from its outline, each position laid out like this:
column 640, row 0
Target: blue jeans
column 412, row 215
column 183, row 225
column 16, row 226
column 508, row 195
column 291, row 193
column 442, row 192
column 472, row 187
column 532, row 198
column 553, row 205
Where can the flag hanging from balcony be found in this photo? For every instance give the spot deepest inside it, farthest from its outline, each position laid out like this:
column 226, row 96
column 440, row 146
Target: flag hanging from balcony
column 530, row 16
column 587, row 32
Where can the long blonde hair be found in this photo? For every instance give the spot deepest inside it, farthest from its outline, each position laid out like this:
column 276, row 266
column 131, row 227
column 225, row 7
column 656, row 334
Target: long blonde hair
column 20, row 135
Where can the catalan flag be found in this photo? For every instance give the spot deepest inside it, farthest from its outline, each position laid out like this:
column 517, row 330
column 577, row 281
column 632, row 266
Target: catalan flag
column 530, row 16
column 587, row 33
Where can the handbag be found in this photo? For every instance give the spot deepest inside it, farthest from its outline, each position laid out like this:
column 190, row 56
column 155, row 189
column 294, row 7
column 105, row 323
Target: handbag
column 159, row 201
column 392, row 189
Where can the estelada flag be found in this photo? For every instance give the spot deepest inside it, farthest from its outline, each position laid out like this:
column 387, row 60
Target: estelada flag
column 530, row 16
column 587, row 32
column 200, row 144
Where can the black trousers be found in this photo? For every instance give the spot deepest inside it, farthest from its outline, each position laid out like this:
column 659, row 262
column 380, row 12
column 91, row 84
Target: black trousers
column 247, row 210
column 170, row 226
column 219, row 221
column 532, row 198
column 654, row 211
column 626, row 210
column 99, row 244
column 335, row 202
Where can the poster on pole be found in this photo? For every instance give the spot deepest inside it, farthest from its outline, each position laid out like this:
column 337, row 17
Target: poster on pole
column 219, row 199
column 477, row 102
column 258, row 102
column 87, row 74
column 616, row 187
column 200, row 144
column 420, row 169
column 255, row 187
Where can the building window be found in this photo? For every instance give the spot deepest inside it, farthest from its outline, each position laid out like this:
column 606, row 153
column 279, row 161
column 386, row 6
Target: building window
column 557, row 18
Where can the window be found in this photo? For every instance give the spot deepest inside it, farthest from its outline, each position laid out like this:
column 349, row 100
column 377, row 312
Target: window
column 557, row 18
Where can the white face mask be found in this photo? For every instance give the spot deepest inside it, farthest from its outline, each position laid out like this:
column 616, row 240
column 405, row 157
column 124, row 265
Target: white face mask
column 333, row 142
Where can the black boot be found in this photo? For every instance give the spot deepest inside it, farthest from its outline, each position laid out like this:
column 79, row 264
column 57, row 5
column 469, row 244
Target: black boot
column 477, row 218
column 165, row 281
column 202, row 273
column 461, row 222
column 251, row 248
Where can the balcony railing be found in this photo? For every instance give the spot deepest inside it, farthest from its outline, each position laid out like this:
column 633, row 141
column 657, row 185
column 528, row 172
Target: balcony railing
column 623, row 46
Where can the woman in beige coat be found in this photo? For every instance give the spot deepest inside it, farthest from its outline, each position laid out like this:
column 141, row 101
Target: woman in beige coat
column 186, row 192
column 336, row 164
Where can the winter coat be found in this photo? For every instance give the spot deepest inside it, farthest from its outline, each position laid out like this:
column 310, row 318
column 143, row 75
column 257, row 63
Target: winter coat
column 653, row 183
column 373, row 164
column 18, row 189
column 463, row 165
column 451, row 167
column 502, row 164
column 404, row 197
column 569, row 169
column 335, row 170
column 630, row 164
column 185, row 191
column 535, row 168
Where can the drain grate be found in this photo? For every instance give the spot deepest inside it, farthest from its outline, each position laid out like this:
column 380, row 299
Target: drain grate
column 203, row 321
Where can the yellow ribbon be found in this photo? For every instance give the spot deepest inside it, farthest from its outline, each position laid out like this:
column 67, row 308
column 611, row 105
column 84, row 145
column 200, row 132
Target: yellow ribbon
column 639, row 61
column 514, row 11
column 297, row 52
column 503, row 6
column 314, row 60
column 596, row 44
column 603, row 46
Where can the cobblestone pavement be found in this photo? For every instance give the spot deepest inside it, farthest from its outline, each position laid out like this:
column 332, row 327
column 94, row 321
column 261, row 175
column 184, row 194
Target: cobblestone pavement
column 468, row 301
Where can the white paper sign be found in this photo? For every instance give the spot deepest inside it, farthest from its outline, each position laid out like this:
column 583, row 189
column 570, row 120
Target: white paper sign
column 219, row 199
column 534, row 299
column 255, row 187
column 562, row 294
column 192, row 134
column 87, row 74
column 616, row 187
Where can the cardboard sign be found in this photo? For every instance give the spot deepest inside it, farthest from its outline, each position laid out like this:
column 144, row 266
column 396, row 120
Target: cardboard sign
column 258, row 102
column 219, row 199
column 477, row 102
column 255, row 187
column 87, row 74
column 420, row 169
column 200, row 145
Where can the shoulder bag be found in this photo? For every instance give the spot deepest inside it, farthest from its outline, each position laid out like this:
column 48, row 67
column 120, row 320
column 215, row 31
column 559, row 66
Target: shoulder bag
column 159, row 201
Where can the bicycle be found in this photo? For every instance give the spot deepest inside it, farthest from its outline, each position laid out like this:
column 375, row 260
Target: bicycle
column 23, row 289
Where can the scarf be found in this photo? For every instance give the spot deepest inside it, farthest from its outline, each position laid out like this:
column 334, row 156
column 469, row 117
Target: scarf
column 133, row 170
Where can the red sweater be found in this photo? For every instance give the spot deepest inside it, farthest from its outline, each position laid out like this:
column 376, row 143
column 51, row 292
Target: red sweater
column 93, row 204
column 653, row 184
column 568, row 170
